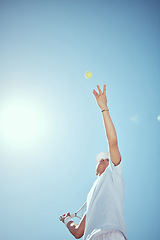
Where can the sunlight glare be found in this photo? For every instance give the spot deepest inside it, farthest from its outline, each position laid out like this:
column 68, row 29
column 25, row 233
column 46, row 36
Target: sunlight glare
column 22, row 123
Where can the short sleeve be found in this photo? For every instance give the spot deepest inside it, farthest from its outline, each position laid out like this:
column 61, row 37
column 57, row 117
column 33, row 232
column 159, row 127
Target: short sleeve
column 118, row 169
column 118, row 180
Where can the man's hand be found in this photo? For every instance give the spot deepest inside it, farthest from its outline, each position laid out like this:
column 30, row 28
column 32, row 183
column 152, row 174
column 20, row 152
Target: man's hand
column 64, row 216
column 101, row 97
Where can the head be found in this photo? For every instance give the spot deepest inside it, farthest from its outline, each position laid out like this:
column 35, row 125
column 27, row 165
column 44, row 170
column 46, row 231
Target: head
column 102, row 160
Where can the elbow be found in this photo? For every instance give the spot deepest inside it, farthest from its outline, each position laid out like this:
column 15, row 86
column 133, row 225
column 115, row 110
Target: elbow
column 77, row 236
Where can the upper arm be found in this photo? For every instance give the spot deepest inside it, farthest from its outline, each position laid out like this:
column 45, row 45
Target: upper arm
column 80, row 228
column 115, row 155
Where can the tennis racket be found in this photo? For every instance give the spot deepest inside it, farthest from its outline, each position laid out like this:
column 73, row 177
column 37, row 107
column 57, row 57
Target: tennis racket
column 79, row 214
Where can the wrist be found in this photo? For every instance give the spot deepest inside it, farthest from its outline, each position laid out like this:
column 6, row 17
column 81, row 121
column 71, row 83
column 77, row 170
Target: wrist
column 67, row 220
column 104, row 109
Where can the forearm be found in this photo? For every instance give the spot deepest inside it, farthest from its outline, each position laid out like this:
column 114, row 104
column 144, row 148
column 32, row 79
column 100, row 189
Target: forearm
column 109, row 128
column 77, row 230
column 72, row 227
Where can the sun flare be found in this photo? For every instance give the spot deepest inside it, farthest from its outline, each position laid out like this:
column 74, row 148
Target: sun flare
column 22, row 123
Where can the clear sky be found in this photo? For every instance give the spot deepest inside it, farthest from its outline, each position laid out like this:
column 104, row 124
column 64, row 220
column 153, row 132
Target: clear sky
column 51, row 128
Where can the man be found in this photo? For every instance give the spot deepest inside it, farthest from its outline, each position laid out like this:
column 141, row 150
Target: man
column 104, row 218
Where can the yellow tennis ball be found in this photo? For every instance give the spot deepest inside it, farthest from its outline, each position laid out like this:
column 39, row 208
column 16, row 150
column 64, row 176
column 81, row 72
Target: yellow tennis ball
column 88, row 75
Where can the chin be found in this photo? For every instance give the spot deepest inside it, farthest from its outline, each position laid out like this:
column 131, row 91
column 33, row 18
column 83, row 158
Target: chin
column 100, row 169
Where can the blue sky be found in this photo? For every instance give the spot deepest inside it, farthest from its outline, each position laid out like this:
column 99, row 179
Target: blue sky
column 51, row 128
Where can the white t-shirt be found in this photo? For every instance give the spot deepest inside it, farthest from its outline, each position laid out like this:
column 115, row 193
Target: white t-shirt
column 105, row 203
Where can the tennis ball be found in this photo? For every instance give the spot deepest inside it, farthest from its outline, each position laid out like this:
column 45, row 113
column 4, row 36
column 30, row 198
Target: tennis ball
column 88, row 75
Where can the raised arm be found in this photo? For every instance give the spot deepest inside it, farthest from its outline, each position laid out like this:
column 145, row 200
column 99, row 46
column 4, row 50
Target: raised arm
column 109, row 127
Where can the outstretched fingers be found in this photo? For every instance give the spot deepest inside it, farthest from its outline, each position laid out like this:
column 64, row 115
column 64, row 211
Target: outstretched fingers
column 95, row 93
column 104, row 88
column 100, row 92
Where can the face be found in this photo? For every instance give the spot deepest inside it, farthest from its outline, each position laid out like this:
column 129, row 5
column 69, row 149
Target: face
column 101, row 166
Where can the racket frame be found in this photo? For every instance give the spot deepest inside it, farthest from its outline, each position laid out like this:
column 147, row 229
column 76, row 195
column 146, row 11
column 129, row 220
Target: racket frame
column 76, row 213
